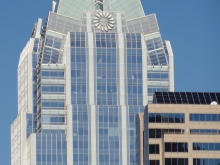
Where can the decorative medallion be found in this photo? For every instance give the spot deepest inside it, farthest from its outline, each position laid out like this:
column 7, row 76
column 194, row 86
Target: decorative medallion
column 104, row 21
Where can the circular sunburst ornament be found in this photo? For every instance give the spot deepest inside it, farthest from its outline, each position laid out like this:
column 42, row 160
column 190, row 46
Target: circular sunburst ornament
column 104, row 21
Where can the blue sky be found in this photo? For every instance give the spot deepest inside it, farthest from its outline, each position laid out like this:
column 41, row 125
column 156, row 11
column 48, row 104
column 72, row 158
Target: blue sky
column 193, row 27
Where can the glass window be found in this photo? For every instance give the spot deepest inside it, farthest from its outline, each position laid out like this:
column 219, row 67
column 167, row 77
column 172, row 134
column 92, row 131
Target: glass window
column 218, row 117
column 152, row 118
column 214, row 117
column 165, row 117
column 171, row 118
column 158, row 118
column 211, row 161
column 181, row 147
column 154, row 162
column 196, row 161
column 199, row 146
column 211, row 146
column 178, row 118
column 174, row 147
column 202, row 117
column 208, row 117
column 174, row 161
column 186, row 147
column 205, row 146
column 191, row 117
column 194, row 146
column 168, row 147
column 154, row 148
column 182, row 118
column 196, row 117
column 217, row 146
column 217, row 161
column 168, row 161
column 157, row 148
column 152, row 133
column 181, row 161
column 158, row 133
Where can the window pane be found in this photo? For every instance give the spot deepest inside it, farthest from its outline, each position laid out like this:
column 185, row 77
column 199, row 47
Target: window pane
column 158, row 133
column 208, row 117
column 217, row 161
column 177, row 118
column 212, row 146
column 152, row 118
column 191, row 117
column 174, row 161
column 186, row 147
column 171, row 118
column 165, row 118
column 202, row 117
column 174, row 147
column 205, row 162
column 214, row 117
column 168, row 161
column 157, row 149
column 182, row 118
column 196, row 117
column 181, row 161
column 205, row 146
column 151, row 133
column 217, row 146
column 152, row 148
column 158, row 118
column 167, row 147
column 199, row 146
column 211, row 161
column 181, row 147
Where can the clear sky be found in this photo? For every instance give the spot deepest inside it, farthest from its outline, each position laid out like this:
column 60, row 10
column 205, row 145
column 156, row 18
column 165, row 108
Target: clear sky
column 193, row 27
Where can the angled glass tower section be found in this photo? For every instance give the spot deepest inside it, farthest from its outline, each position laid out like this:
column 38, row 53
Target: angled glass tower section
column 82, row 78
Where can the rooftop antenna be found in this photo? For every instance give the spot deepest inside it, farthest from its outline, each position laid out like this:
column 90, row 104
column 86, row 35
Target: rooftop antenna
column 99, row 4
column 109, row 5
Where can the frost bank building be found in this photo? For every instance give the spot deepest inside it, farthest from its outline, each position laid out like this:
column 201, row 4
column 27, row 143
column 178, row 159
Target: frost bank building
column 84, row 74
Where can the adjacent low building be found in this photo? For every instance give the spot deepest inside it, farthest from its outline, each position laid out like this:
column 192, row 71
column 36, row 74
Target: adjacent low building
column 179, row 128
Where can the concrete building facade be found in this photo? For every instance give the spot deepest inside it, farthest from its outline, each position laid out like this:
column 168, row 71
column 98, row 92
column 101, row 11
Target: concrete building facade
column 179, row 134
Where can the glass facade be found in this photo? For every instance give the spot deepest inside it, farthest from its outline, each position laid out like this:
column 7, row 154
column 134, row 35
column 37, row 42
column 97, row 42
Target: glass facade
column 206, row 161
column 89, row 83
column 206, row 146
column 205, row 117
column 204, row 131
column 176, row 161
column 158, row 133
column 176, row 147
column 166, row 118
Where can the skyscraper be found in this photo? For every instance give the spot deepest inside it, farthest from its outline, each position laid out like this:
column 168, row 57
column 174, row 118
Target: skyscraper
column 82, row 78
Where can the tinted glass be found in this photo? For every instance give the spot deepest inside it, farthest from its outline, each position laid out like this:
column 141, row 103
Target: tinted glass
column 158, row 118
column 202, row 117
column 151, row 133
column 208, row 117
column 205, row 146
column 196, row 117
column 214, row 117
column 168, row 147
column 152, row 118
column 168, row 161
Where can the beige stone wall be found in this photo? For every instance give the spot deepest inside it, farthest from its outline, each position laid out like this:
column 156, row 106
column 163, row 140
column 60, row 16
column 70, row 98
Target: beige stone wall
column 140, row 122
